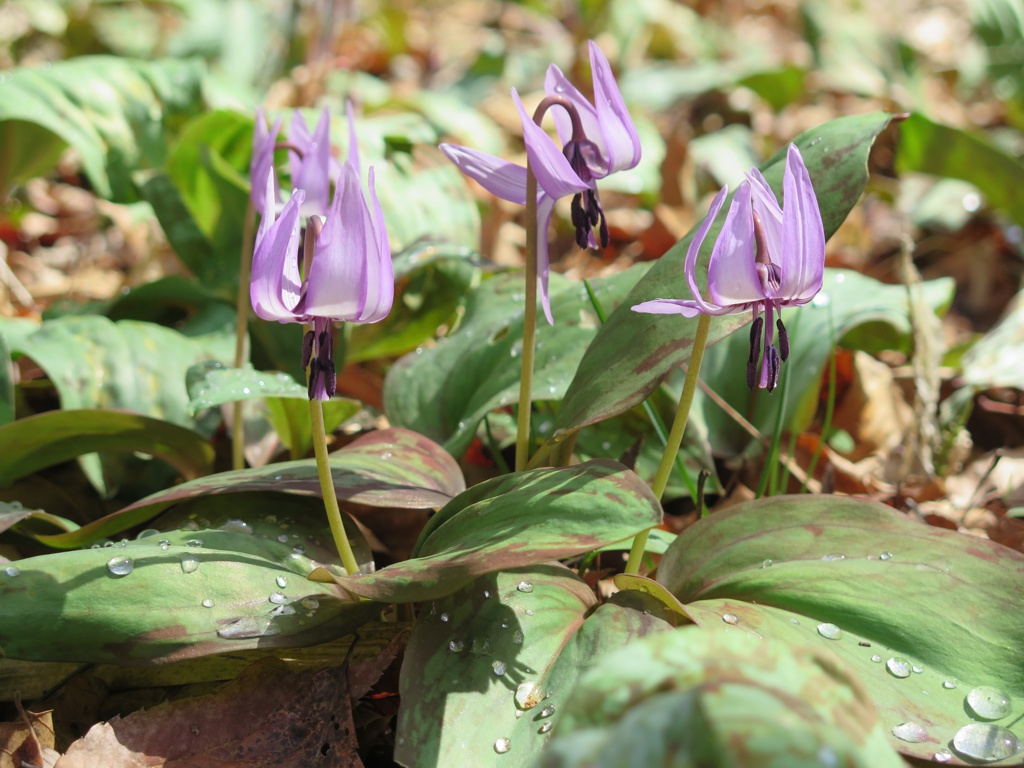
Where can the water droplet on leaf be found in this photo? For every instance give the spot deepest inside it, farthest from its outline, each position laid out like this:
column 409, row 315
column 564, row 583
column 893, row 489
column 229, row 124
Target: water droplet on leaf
column 456, row 646
column 499, row 667
column 830, row 631
column 730, row 618
column 278, row 599
column 988, row 703
column 194, row 543
column 444, row 617
column 517, row 637
column 546, row 727
column 281, row 581
column 877, row 659
column 942, row 757
column 189, row 565
column 986, row 742
column 898, row 667
column 525, row 586
column 548, row 711
column 12, row 571
column 831, row 558
column 207, row 603
column 949, row 683
column 911, row 732
column 502, row 745
column 120, row 565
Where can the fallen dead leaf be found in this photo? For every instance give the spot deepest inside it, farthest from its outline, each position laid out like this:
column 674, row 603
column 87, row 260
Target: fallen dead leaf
column 25, row 742
column 267, row 716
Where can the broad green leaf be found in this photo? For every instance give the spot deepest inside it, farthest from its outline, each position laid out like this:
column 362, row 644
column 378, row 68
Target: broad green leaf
column 444, row 391
column 96, row 363
column 852, row 310
column 116, row 113
column 387, row 468
column 940, row 150
column 14, row 515
column 426, row 298
column 40, row 441
column 183, row 303
column 497, row 659
column 696, row 699
column 517, row 520
column 146, row 601
column 633, row 352
column 894, row 588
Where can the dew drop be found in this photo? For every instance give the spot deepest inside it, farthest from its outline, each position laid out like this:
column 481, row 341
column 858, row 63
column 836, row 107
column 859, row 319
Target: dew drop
column 546, row 727
column 832, row 558
column 916, row 669
column 942, row 757
column 499, row 667
column 527, row 695
column 898, row 666
column 164, row 544
column 525, row 586
column 146, row 533
column 767, row 563
column 502, row 745
column 911, row 732
column 283, row 539
column 194, row 543
column 528, row 612
column 487, row 593
column 207, row 603
column 120, row 565
column 281, row 581
column 278, row 599
column 949, row 683
column 986, row 742
column 517, row 637
column 794, row 621
column 830, row 631
column 548, row 711
column 310, row 603
column 885, row 556
column 444, row 617
column 12, row 571
column 249, row 626
column 189, row 565
column 456, row 646
column 730, row 618
column 877, row 659
column 237, row 526
column 988, row 703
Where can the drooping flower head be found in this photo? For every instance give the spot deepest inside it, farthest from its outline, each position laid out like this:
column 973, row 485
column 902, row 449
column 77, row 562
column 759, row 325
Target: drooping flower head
column 597, row 139
column 349, row 275
column 766, row 257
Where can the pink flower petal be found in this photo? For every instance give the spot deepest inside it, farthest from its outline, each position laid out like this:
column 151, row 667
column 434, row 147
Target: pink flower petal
column 275, row 287
column 621, row 142
column 732, row 278
column 554, row 174
column 499, row 177
column 803, row 259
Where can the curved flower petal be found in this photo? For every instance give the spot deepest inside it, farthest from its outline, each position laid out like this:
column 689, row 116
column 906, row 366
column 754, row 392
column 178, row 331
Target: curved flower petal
column 499, row 177
column 690, row 268
column 557, row 84
column 310, row 169
column 262, row 161
column 545, row 204
column 766, row 206
column 353, row 143
column 621, row 142
column 380, row 292
column 803, row 260
column 732, row 277
column 683, row 307
column 339, row 277
column 554, row 174
column 275, row 287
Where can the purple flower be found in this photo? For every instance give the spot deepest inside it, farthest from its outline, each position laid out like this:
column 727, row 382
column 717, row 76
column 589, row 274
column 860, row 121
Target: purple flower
column 311, row 163
column 597, row 140
column 262, row 164
column 349, row 276
column 765, row 258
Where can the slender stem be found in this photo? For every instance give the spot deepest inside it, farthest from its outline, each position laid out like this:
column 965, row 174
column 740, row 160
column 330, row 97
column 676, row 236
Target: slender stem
column 323, row 470
column 242, row 335
column 529, row 324
column 675, row 437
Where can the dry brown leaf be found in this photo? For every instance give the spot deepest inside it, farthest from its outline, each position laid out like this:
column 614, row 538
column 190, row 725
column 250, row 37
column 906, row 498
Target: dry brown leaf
column 24, row 742
column 268, row 716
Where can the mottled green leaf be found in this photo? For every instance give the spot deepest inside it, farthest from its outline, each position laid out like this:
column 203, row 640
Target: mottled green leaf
column 895, row 588
column 516, row 520
column 117, row 114
column 444, row 391
column 691, row 699
column 633, row 352
column 40, row 441
column 497, row 659
column 76, row 606
column 387, row 468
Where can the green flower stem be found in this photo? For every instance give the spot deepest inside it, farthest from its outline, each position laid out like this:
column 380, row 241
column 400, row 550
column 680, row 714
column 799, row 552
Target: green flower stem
column 529, row 325
column 675, row 436
column 323, row 470
column 242, row 335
